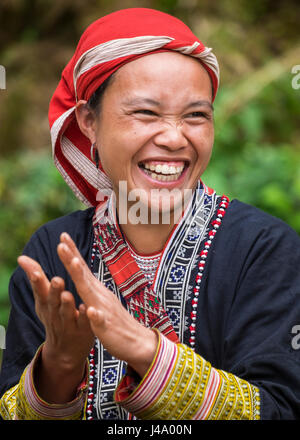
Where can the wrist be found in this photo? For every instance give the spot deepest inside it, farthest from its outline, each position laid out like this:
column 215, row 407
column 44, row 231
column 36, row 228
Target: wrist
column 57, row 380
column 143, row 355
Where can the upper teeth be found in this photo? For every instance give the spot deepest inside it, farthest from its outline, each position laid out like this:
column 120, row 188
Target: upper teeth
column 164, row 169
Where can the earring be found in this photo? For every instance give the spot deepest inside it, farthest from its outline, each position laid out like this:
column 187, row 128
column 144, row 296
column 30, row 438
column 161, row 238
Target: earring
column 94, row 154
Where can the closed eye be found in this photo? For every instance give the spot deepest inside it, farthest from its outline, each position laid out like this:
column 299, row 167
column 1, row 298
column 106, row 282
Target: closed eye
column 197, row 115
column 145, row 112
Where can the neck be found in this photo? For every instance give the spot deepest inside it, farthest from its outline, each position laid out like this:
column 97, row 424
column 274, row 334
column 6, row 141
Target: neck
column 150, row 235
column 147, row 238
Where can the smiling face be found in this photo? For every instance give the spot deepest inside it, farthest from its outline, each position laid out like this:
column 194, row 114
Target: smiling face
column 155, row 129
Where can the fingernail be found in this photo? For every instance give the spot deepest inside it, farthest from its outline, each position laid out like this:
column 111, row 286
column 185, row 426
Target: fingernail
column 64, row 247
column 64, row 298
column 82, row 308
column 55, row 283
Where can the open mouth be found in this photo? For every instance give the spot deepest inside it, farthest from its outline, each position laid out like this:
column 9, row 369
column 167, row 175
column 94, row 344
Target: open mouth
column 163, row 171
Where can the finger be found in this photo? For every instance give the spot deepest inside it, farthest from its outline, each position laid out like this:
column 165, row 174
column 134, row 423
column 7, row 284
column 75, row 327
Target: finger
column 82, row 320
column 57, row 286
column 86, row 284
column 66, row 238
column 67, row 309
column 96, row 317
column 38, row 280
column 71, row 251
column 67, row 255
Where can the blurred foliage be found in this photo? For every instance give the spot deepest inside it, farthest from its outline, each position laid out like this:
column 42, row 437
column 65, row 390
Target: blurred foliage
column 257, row 112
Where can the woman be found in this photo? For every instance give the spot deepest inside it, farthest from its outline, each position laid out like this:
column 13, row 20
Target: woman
column 117, row 313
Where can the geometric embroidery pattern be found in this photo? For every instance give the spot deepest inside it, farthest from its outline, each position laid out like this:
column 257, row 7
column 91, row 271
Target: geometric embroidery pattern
column 174, row 281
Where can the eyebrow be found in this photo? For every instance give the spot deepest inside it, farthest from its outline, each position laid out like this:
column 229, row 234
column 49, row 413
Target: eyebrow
column 201, row 103
column 139, row 101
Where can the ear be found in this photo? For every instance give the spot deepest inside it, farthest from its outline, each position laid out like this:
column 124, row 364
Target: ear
column 86, row 120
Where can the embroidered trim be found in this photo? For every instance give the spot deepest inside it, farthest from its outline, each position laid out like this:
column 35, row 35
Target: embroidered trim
column 202, row 229
column 201, row 265
column 147, row 264
column 175, row 273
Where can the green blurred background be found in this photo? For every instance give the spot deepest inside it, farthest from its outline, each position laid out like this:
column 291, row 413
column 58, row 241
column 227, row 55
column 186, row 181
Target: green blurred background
column 257, row 111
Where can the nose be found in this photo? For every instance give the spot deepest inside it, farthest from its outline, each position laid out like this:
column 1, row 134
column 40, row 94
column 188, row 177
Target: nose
column 170, row 135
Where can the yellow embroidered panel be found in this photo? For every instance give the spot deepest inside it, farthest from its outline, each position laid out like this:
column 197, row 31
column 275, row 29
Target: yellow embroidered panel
column 8, row 403
column 14, row 405
column 196, row 390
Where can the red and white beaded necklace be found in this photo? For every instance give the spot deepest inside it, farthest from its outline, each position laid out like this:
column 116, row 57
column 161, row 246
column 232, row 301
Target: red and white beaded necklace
column 201, row 265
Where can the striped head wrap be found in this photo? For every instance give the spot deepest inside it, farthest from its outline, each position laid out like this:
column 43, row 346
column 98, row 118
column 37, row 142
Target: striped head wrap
column 105, row 46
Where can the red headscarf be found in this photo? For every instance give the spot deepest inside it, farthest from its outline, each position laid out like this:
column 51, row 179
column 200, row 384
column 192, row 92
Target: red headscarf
column 104, row 47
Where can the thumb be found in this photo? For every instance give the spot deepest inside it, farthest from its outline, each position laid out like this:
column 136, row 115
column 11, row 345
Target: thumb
column 96, row 317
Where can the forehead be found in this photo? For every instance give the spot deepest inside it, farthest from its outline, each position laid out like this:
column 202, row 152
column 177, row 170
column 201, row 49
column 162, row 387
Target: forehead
column 163, row 74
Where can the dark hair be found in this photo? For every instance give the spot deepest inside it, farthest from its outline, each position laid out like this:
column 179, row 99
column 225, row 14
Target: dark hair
column 95, row 100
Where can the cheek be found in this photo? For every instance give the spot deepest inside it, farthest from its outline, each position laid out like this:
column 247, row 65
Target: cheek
column 203, row 143
column 116, row 155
